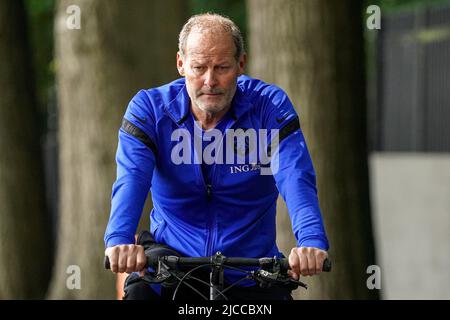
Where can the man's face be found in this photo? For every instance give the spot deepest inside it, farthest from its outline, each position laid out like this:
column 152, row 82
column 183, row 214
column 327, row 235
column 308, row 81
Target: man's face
column 211, row 70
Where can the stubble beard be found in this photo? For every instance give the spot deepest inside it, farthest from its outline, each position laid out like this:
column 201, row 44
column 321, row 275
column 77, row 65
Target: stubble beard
column 223, row 103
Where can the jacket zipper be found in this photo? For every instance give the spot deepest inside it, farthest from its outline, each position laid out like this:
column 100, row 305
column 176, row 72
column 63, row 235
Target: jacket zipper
column 209, row 190
column 208, row 194
column 211, row 221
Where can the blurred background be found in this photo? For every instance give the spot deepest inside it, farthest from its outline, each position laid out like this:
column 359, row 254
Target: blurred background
column 374, row 104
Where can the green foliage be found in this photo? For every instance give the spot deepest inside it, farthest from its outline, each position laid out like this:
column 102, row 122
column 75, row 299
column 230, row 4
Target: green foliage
column 39, row 7
column 233, row 9
column 389, row 6
column 393, row 7
column 40, row 24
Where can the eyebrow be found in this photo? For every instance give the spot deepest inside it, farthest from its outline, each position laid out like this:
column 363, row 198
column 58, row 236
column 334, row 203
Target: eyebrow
column 198, row 61
column 193, row 61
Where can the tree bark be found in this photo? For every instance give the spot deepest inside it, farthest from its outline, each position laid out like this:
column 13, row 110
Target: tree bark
column 121, row 47
column 25, row 258
column 314, row 50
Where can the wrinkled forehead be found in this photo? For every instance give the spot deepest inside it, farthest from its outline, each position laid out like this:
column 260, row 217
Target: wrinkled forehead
column 210, row 43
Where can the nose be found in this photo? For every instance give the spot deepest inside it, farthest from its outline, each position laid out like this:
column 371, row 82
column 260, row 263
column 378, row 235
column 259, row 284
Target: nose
column 210, row 78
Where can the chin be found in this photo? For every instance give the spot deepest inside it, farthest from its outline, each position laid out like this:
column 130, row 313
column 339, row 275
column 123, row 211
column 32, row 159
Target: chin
column 212, row 109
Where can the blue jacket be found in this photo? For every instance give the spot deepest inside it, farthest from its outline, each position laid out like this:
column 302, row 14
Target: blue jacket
column 235, row 212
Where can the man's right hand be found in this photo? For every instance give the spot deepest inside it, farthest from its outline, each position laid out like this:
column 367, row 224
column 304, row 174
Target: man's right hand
column 126, row 258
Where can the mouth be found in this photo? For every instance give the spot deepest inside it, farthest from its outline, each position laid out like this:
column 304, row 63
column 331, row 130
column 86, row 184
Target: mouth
column 211, row 94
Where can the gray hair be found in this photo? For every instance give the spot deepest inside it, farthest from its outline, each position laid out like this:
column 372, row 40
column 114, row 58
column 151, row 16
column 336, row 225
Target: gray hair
column 209, row 20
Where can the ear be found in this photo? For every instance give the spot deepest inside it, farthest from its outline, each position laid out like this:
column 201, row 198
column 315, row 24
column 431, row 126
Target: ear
column 180, row 64
column 242, row 63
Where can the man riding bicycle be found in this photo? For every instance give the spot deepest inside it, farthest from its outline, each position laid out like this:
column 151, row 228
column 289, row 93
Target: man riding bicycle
column 216, row 147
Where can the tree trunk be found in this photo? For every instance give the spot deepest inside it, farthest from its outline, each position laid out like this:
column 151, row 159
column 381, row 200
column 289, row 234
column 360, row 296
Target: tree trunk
column 314, row 50
column 121, row 47
column 25, row 232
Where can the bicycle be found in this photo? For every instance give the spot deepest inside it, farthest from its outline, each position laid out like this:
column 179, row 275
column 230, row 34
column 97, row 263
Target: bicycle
column 174, row 270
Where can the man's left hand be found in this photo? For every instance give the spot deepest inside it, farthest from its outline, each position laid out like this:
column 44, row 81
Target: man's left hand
column 306, row 261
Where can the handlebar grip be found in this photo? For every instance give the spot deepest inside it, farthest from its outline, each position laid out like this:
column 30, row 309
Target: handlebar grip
column 106, row 263
column 151, row 261
column 326, row 267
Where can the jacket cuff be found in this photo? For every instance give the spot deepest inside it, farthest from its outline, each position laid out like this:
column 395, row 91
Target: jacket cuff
column 315, row 243
column 118, row 240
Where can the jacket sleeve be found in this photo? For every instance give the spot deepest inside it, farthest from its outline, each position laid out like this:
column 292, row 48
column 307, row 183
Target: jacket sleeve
column 293, row 170
column 135, row 158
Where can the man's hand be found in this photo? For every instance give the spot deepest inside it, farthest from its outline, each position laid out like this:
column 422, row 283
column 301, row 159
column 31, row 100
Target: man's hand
column 306, row 261
column 126, row 258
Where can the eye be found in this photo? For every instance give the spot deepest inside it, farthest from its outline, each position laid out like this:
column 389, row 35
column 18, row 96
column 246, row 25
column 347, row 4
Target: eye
column 198, row 68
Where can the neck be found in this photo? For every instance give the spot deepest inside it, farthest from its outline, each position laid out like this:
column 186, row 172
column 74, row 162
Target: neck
column 208, row 120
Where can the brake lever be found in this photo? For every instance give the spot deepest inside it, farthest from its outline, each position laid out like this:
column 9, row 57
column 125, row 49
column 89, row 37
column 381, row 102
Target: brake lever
column 266, row 278
column 298, row 283
column 160, row 276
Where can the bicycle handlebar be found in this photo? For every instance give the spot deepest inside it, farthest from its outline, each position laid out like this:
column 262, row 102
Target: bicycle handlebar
column 175, row 261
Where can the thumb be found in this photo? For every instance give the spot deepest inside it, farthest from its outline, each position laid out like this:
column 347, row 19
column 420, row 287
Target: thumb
column 292, row 274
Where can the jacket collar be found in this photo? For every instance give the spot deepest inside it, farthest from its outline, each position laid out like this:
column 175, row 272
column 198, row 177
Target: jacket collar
column 179, row 108
column 240, row 103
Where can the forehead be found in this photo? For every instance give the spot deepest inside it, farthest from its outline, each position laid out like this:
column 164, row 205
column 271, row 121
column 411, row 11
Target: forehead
column 207, row 44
